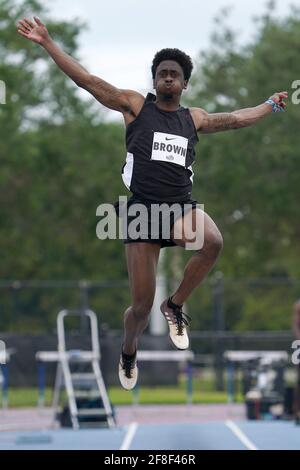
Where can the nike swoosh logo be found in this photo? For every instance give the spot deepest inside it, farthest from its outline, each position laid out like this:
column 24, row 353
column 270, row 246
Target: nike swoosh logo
column 172, row 138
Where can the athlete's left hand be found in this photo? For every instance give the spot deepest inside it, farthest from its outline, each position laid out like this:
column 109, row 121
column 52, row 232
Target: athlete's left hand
column 279, row 98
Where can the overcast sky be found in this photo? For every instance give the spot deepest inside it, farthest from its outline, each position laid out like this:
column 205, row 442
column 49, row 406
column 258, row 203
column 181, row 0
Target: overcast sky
column 123, row 35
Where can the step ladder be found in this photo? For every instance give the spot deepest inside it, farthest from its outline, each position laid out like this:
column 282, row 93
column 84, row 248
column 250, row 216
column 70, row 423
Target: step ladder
column 81, row 385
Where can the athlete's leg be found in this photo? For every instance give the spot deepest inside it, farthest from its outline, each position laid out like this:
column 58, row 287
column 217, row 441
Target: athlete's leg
column 142, row 261
column 210, row 243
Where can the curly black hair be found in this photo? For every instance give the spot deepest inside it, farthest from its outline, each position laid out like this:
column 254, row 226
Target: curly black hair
column 173, row 54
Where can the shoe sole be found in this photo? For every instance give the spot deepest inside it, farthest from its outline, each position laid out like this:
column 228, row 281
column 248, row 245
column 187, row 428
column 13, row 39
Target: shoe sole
column 176, row 347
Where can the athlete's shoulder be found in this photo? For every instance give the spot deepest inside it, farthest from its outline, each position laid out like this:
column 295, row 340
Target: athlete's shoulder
column 198, row 115
column 134, row 104
column 135, row 101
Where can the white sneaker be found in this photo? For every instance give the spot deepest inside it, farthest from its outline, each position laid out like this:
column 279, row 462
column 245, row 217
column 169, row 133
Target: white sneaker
column 128, row 372
column 177, row 322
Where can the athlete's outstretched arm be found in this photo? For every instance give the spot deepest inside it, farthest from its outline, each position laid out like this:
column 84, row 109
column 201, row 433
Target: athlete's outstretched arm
column 210, row 123
column 124, row 101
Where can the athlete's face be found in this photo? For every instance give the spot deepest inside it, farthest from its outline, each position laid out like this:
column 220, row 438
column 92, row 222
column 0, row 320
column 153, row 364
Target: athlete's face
column 169, row 79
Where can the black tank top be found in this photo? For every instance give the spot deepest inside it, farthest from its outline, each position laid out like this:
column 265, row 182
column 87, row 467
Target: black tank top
column 160, row 153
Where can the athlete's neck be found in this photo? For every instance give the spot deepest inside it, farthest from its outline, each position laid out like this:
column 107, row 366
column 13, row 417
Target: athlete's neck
column 167, row 103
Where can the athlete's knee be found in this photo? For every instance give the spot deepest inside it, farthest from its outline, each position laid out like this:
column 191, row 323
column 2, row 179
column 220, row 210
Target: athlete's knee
column 213, row 244
column 141, row 310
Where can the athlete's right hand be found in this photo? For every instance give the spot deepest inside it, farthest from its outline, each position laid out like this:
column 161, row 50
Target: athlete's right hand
column 34, row 31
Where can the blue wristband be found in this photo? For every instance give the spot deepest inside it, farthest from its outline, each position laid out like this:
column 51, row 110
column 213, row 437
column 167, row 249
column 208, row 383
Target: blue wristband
column 276, row 107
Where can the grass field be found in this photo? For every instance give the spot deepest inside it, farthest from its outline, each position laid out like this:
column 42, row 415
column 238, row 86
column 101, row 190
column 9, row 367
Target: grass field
column 203, row 392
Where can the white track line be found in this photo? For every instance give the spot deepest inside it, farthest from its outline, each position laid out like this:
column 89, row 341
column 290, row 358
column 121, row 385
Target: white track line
column 240, row 435
column 129, row 436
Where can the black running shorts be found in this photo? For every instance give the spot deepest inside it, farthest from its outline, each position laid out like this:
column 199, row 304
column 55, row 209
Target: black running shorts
column 150, row 221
